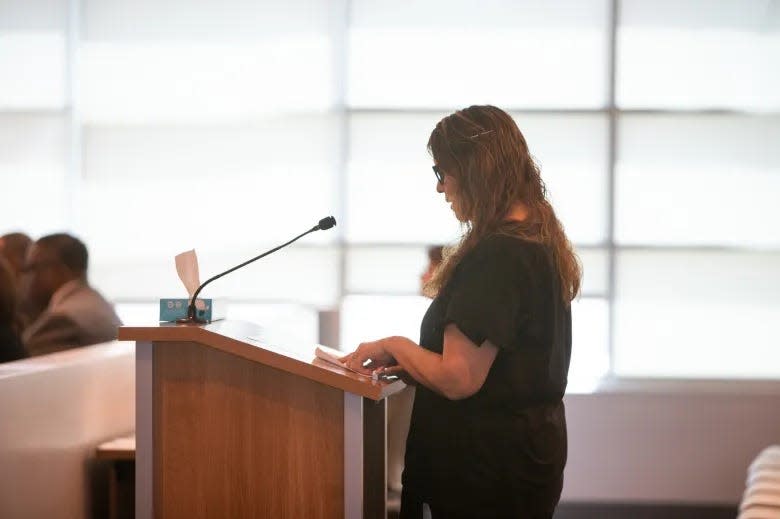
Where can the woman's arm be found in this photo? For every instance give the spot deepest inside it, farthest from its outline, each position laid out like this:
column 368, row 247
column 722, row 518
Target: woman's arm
column 457, row 373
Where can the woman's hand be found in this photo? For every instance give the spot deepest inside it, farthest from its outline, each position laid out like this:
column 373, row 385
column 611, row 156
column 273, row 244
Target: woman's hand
column 369, row 356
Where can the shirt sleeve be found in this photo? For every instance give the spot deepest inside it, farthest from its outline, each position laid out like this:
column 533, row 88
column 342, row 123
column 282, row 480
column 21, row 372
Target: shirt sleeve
column 490, row 299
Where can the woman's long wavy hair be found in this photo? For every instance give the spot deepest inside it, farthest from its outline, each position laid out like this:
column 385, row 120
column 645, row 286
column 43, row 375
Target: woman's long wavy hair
column 484, row 150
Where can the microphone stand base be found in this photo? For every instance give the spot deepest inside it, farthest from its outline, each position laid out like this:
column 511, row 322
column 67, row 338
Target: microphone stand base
column 191, row 321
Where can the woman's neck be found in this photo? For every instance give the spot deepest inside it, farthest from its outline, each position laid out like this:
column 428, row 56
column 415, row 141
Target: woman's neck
column 517, row 213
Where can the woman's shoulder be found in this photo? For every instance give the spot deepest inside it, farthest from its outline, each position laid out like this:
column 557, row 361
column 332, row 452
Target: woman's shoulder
column 507, row 248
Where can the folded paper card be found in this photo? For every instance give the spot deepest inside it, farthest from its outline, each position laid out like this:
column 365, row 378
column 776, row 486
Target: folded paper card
column 173, row 308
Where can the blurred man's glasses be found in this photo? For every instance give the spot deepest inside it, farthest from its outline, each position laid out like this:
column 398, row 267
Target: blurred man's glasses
column 439, row 174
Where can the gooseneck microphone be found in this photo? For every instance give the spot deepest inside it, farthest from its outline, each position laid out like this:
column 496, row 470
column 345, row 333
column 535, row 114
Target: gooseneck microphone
column 324, row 224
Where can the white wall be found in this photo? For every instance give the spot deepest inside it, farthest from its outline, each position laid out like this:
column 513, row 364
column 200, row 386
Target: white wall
column 54, row 410
column 674, row 443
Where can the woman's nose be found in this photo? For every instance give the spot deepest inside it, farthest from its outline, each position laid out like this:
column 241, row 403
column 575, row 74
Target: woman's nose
column 439, row 187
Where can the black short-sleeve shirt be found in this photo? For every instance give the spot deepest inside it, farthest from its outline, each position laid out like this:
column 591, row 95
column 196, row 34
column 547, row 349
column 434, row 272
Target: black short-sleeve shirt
column 482, row 454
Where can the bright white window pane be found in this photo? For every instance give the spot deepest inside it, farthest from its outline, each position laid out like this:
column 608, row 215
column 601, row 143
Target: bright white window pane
column 137, row 313
column 391, row 189
column 296, row 274
column 445, row 53
column 33, row 15
column 33, row 160
column 267, row 147
column 389, row 270
column 32, row 70
column 213, row 187
column 144, row 61
column 392, row 194
column 595, row 272
column 590, row 343
column 195, row 82
column 703, row 180
column 697, row 314
column 32, row 54
column 302, row 322
column 368, row 318
column 572, row 153
column 178, row 20
column 398, row 269
column 698, row 54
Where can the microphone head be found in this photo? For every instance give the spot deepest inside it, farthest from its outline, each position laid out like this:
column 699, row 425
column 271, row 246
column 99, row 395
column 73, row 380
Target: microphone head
column 327, row 223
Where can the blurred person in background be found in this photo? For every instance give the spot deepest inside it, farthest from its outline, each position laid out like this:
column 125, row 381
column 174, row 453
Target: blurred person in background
column 488, row 429
column 14, row 247
column 72, row 313
column 10, row 325
column 435, row 257
column 399, row 405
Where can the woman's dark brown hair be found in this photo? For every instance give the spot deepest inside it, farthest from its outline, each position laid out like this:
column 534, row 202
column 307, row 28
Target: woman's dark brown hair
column 484, row 150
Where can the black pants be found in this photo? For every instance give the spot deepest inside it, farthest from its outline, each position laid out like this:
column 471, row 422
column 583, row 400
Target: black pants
column 532, row 501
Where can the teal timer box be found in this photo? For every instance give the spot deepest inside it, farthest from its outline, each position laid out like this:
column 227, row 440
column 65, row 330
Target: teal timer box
column 172, row 309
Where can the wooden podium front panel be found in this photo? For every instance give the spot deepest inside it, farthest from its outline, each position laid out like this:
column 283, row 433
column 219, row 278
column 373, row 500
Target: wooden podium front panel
column 221, row 425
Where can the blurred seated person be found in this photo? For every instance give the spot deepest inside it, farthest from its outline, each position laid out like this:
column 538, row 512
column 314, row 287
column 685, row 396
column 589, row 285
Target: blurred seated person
column 435, row 257
column 10, row 342
column 399, row 405
column 14, row 247
column 72, row 314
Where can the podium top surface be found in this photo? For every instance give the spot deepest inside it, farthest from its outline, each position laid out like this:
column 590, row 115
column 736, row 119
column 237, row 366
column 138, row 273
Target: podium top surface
column 266, row 346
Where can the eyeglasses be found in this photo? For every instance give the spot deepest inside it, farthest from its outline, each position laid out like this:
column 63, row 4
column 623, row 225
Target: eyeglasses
column 439, row 173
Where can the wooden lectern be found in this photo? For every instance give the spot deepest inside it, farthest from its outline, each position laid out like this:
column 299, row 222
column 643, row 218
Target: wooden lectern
column 234, row 421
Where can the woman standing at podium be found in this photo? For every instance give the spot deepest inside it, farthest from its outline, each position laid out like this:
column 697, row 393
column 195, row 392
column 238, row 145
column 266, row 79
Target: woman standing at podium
column 488, row 430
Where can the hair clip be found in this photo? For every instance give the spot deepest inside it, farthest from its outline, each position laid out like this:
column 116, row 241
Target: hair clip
column 480, row 134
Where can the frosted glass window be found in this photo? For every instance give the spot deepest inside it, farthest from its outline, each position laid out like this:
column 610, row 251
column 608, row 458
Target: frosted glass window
column 368, row 318
column 233, row 61
column 298, row 148
column 300, row 321
column 572, row 153
column 397, row 270
column 389, row 269
column 183, row 20
column 391, row 190
column 392, row 194
column 241, row 184
column 703, row 180
column 444, row 53
column 595, row 272
column 32, row 70
column 590, row 340
column 33, row 157
column 697, row 314
column 296, row 274
column 699, row 54
column 32, row 54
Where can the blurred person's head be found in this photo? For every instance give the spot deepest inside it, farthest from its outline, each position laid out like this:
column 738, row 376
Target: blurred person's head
column 435, row 256
column 14, row 247
column 9, row 315
column 51, row 262
column 486, row 172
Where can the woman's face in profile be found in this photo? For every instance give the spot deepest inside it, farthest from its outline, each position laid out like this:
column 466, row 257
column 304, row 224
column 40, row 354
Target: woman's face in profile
column 449, row 186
